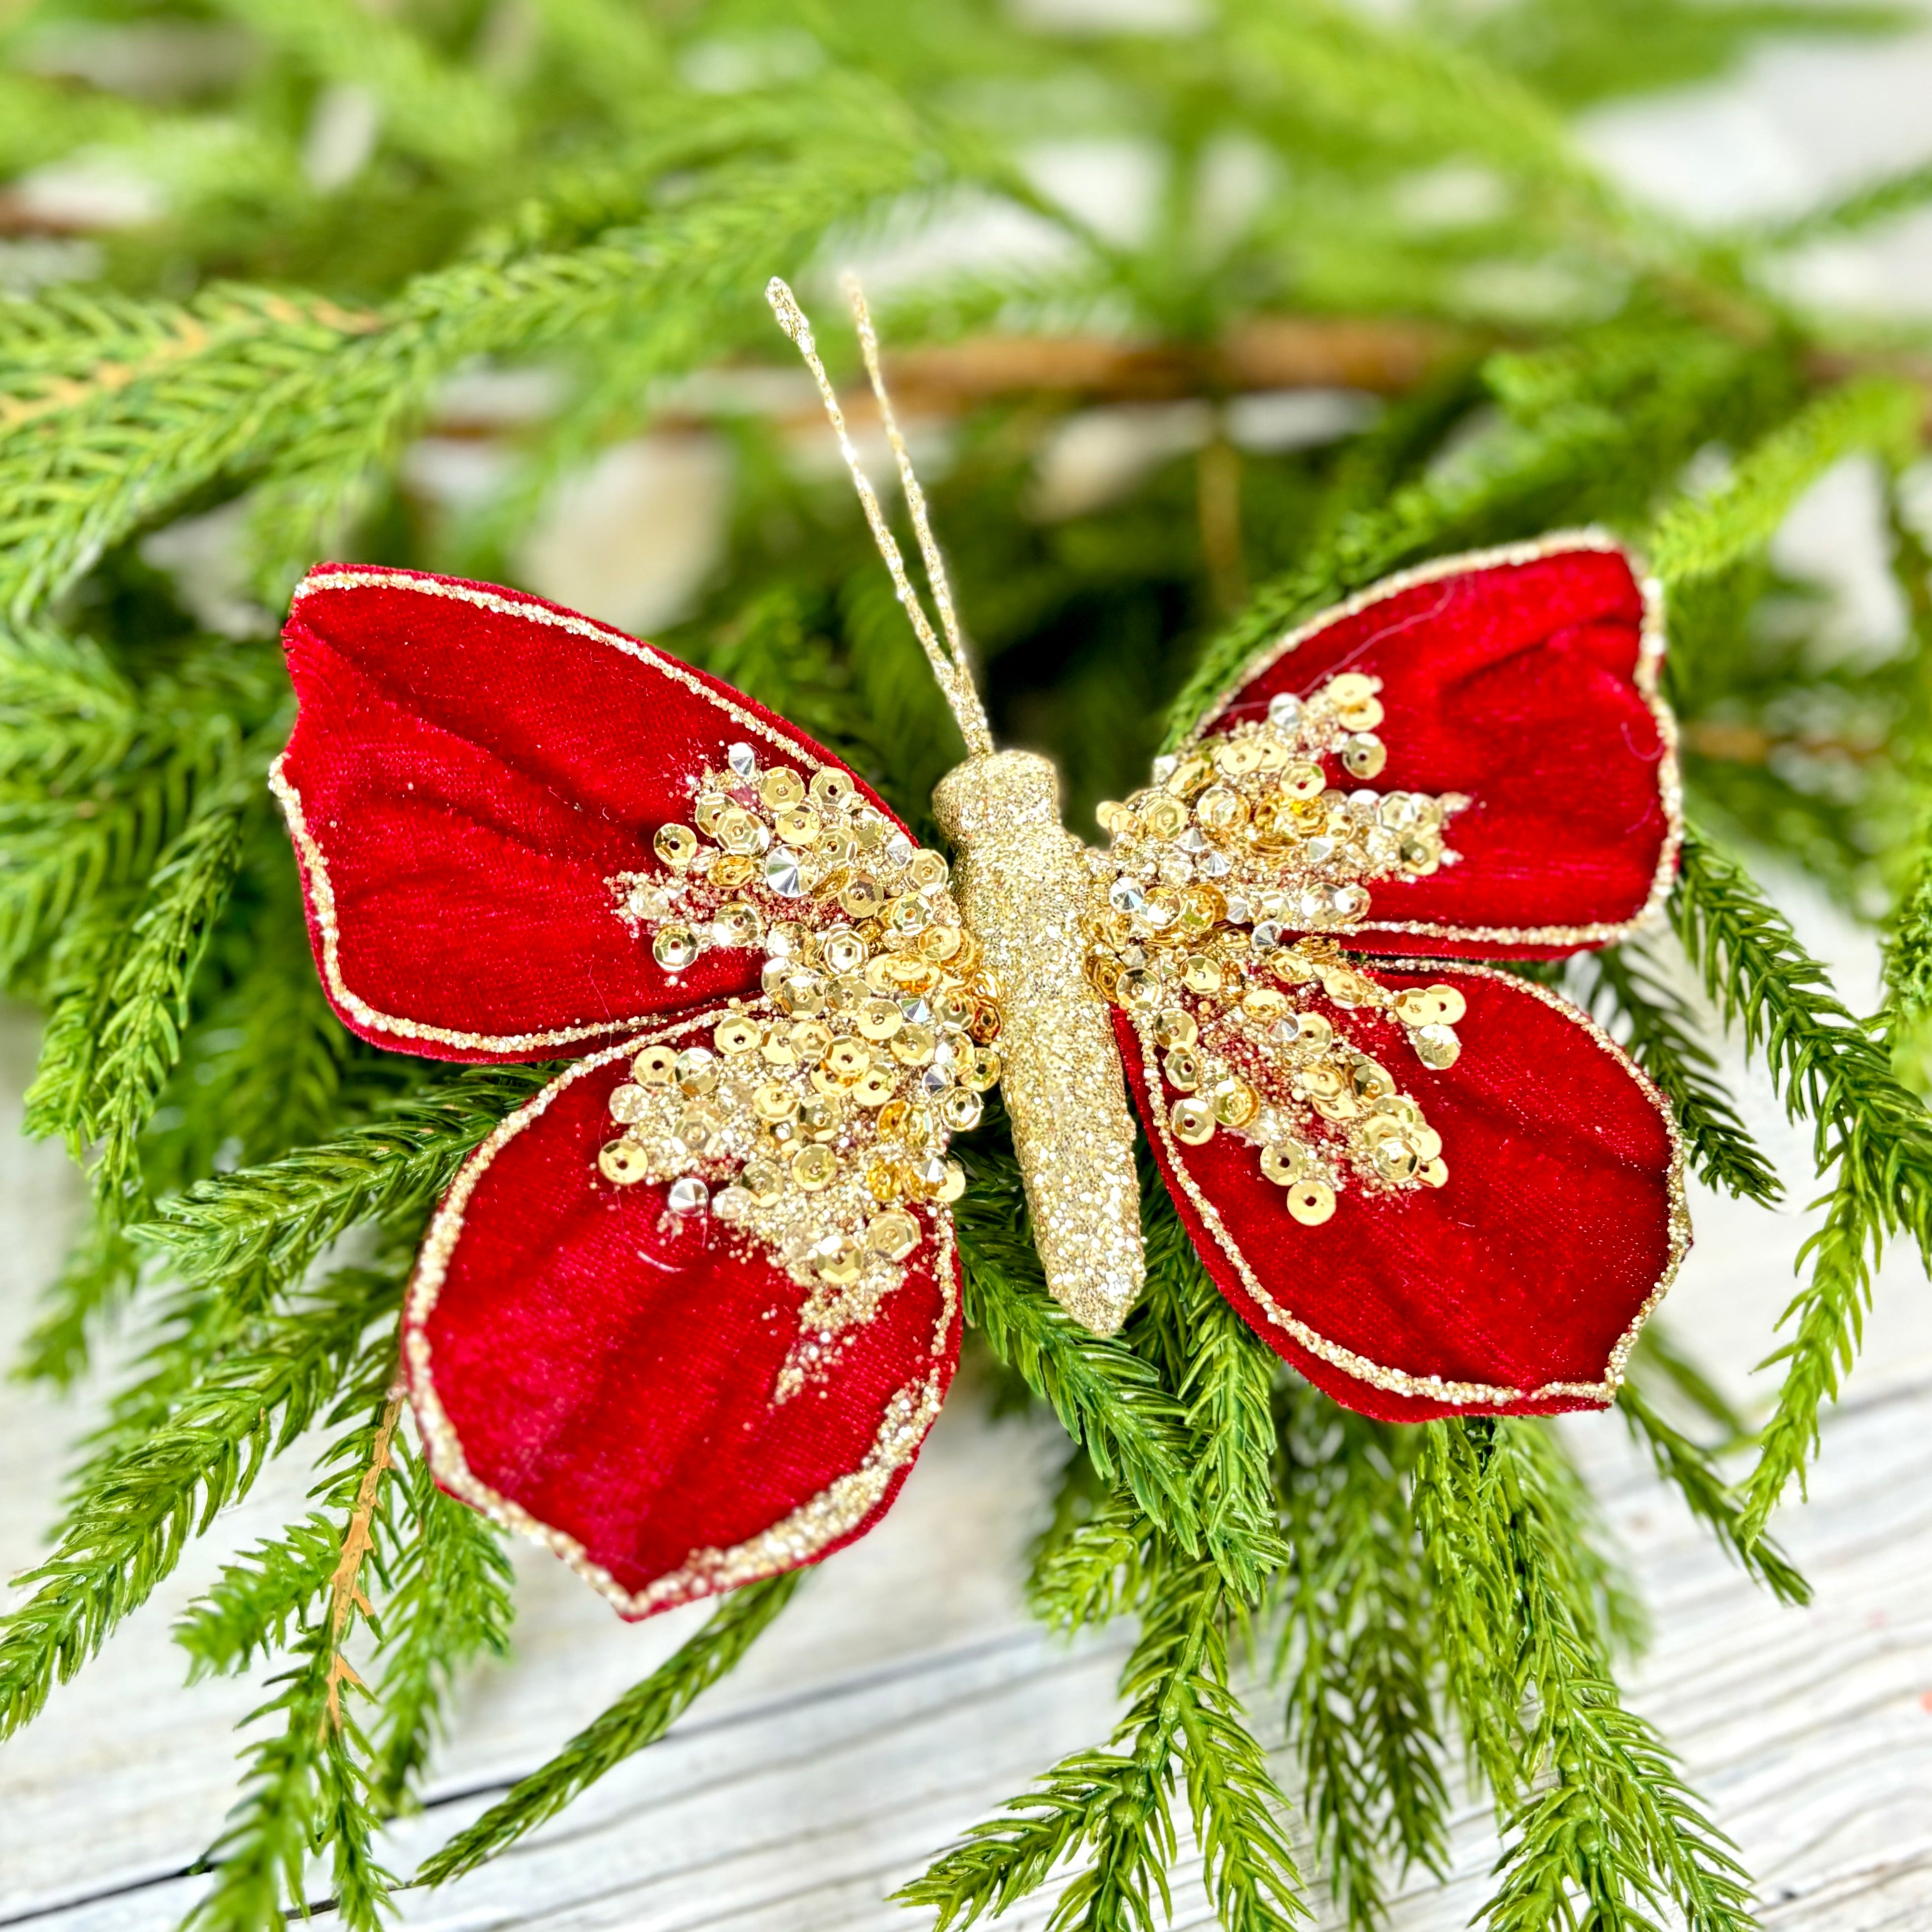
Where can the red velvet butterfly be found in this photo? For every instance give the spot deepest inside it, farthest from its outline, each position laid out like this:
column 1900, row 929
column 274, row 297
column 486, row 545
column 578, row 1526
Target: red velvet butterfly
column 687, row 1315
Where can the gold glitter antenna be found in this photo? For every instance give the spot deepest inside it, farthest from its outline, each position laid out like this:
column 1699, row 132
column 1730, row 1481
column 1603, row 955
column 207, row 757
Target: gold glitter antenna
column 950, row 664
column 1024, row 888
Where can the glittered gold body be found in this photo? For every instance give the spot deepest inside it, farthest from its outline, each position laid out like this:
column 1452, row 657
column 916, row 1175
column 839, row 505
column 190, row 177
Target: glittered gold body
column 1023, row 887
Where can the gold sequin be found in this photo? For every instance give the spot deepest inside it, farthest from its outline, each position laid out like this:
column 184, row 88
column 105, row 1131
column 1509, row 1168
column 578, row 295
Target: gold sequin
column 623, row 1162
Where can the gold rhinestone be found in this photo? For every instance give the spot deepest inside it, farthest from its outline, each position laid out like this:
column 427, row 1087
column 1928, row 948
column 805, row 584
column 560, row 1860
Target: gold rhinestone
column 1264, row 1003
column 880, row 1019
column 1165, row 818
column 1437, row 1046
column 821, row 1117
column 982, row 1071
column 656, row 1066
column 874, row 1088
column 674, row 948
column 798, row 826
column 892, row 1235
column 831, row 787
column 1364, row 754
column 1349, row 687
column 676, row 845
column 1238, row 756
column 781, row 787
column 1234, row 1102
column 1199, row 973
column 913, row 1044
column 629, row 1104
column 813, row 1167
column 1183, row 1068
column 1174, row 1026
column 764, row 1180
column 1435, row 1174
column 1311, row 1202
column 623, row 1162
column 927, row 870
column 1192, row 1122
column 961, row 1110
column 1284, row 1164
column 1219, row 810
column 775, row 1100
column 738, row 831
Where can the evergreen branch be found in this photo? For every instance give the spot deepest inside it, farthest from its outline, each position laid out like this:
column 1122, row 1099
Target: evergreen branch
column 1354, row 1646
column 1661, row 1035
column 1108, row 1399
column 280, row 1214
column 127, row 1528
column 448, row 1601
column 1872, row 1138
column 639, row 1717
column 1115, row 1805
column 139, row 1042
column 1689, row 1469
column 100, row 1271
column 308, row 1788
column 1603, row 1829
column 1698, row 537
column 247, row 1611
column 1866, row 206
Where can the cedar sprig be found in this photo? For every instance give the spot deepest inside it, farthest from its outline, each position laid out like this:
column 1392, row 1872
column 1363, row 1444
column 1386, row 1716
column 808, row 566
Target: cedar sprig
column 152, row 1490
column 639, row 1717
column 1663, row 1035
column 1872, row 1140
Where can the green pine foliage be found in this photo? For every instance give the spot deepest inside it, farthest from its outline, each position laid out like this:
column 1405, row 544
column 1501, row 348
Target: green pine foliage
column 1329, row 1612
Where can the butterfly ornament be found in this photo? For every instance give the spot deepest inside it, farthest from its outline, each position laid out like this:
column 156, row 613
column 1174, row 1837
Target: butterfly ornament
column 688, row 1314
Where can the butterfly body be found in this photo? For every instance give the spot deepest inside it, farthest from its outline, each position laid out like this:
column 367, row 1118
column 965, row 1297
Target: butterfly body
column 1026, row 890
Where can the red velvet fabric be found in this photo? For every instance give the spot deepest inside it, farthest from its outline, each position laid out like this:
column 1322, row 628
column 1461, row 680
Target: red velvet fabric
column 472, row 775
column 1517, row 684
column 610, row 1367
column 1524, row 1269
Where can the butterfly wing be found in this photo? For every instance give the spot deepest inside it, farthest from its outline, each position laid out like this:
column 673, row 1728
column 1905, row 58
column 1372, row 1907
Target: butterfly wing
column 688, row 1314
column 651, row 1388
column 1419, row 1239
column 1517, row 688
column 1435, row 1191
column 472, row 774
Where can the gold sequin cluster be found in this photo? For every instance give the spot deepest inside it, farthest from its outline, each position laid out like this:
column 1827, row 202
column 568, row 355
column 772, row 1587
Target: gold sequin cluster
column 1239, row 844
column 815, row 1120
column 1246, row 827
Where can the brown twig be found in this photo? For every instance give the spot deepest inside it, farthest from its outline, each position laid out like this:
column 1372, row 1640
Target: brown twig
column 345, row 1594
